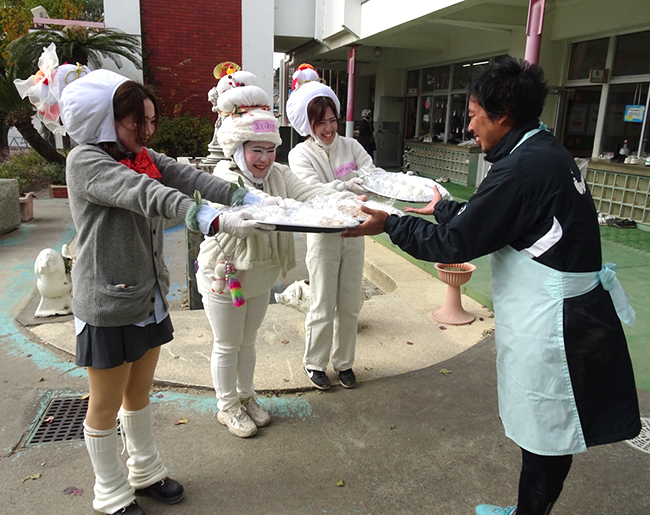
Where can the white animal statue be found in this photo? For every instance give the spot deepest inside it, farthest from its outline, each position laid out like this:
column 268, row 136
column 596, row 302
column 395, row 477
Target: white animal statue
column 53, row 283
column 296, row 296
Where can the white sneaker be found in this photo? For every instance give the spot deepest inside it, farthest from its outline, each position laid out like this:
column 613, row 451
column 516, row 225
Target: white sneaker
column 237, row 421
column 256, row 412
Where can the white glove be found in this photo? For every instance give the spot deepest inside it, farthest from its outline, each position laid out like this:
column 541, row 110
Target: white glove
column 240, row 224
column 354, row 185
column 273, row 201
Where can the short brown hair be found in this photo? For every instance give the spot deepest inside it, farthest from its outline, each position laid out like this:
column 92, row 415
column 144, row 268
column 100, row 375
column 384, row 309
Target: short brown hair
column 317, row 108
column 128, row 100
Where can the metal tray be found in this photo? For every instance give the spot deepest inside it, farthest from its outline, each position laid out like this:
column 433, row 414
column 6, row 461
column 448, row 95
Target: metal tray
column 388, row 194
column 286, row 227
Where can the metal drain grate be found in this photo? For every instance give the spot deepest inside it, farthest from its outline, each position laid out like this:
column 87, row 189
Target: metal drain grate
column 642, row 442
column 61, row 422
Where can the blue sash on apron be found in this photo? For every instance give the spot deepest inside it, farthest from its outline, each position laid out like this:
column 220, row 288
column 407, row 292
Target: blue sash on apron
column 536, row 401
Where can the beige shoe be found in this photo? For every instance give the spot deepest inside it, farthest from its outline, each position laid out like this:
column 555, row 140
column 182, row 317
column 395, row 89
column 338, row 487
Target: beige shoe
column 256, row 412
column 237, row 421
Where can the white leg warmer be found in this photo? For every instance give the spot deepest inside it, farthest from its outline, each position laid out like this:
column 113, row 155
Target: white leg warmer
column 112, row 490
column 144, row 463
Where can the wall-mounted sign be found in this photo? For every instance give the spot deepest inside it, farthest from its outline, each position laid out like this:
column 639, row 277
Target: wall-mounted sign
column 598, row 75
column 412, row 92
column 634, row 113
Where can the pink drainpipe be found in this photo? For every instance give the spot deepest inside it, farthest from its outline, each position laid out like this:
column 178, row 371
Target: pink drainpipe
column 352, row 68
column 534, row 27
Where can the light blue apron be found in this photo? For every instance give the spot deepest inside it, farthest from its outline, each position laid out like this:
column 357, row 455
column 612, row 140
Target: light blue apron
column 536, row 401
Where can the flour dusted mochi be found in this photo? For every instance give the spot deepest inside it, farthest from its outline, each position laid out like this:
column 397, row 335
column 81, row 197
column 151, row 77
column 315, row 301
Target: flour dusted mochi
column 400, row 186
column 352, row 207
column 319, row 212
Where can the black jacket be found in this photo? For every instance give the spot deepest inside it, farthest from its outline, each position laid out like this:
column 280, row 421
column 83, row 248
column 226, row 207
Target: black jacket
column 535, row 199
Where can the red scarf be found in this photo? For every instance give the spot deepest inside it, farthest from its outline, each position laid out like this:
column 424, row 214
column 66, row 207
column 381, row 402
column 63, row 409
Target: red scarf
column 143, row 164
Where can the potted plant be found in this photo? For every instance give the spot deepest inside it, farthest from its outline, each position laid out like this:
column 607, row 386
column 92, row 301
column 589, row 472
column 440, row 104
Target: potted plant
column 56, row 174
column 28, row 168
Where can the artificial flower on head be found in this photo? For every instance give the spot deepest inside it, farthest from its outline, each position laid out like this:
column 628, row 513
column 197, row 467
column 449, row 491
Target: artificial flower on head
column 44, row 87
column 225, row 68
column 304, row 73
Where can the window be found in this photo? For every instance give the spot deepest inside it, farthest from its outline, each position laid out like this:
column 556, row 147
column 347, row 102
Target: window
column 442, row 106
column 617, row 129
column 590, row 131
column 632, row 54
column 580, row 121
column 585, row 56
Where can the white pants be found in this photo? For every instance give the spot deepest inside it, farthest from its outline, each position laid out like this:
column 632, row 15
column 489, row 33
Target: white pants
column 335, row 268
column 233, row 352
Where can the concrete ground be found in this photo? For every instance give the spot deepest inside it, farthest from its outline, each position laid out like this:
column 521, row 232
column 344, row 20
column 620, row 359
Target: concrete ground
column 409, row 440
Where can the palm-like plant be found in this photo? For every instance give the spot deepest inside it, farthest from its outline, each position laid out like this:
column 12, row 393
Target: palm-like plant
column 75, row 44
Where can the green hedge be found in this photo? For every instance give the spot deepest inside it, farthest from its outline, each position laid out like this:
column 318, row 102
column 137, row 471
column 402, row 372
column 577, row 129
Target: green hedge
column 32, row 171
column 184, row 136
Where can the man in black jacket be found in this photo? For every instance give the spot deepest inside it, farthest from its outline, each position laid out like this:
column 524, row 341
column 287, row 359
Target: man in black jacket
column 565, row 379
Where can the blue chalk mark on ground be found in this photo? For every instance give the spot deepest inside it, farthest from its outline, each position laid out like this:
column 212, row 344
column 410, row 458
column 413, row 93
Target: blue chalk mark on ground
column 22, row 281
column 282, row 407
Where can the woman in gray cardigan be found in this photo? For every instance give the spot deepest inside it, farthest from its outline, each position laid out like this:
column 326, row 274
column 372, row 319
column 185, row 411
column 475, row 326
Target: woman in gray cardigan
column 120, row 192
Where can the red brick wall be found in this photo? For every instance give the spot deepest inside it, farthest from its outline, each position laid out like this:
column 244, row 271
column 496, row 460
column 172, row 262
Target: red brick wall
column 205, row 32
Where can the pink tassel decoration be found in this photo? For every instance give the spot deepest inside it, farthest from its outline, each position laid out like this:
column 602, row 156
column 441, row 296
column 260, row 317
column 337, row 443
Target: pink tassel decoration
column 235, row 286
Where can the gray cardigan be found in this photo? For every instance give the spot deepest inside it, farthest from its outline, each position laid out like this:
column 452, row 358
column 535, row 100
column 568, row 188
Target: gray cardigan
column 118, row 215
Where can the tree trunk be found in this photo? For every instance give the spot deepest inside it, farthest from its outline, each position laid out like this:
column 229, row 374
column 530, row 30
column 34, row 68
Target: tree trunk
column 4, row 139
column 23, row 122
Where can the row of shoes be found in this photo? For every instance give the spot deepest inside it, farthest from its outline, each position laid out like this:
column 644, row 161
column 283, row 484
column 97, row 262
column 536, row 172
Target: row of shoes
column 612, row 221
column 630, row 160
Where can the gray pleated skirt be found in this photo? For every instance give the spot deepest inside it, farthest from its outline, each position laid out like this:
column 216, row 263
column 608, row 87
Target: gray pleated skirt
column 108, row 347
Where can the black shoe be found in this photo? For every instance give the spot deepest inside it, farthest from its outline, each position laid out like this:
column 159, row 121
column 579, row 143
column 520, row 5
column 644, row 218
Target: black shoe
column 318, row 379
column 131, row 509
column 167, row 491
column 347, row 378
column 625, row 224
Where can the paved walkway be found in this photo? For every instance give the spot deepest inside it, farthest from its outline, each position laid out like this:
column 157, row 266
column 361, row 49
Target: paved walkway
column 418, row 442
column 396, row 331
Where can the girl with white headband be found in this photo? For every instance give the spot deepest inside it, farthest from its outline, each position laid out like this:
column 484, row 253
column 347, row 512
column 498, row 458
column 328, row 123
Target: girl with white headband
column 335, row 264
column 249, row 134
column 120, row 194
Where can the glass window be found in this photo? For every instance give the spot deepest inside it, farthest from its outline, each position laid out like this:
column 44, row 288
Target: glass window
column 410, row 115
column 461, row 75
column 436, row 79
column 413, row 79
column 457, row 123
column 632, row 54
column 428, row 80
column 426, row 116
column 442, row 77
column 585, row 56
column 439, row 117
column 617, row 129
column 580, row 121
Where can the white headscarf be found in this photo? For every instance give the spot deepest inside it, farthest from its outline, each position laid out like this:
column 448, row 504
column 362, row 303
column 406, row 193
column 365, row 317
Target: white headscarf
column 87, row 107
column 299, row 100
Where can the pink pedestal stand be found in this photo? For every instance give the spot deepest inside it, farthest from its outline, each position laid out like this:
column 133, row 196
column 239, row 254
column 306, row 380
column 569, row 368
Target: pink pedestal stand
column 453, row 275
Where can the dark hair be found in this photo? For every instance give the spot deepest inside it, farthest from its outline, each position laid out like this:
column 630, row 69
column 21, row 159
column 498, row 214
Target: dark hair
column 511, row 87
column 317, row 108
column 128, row 100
